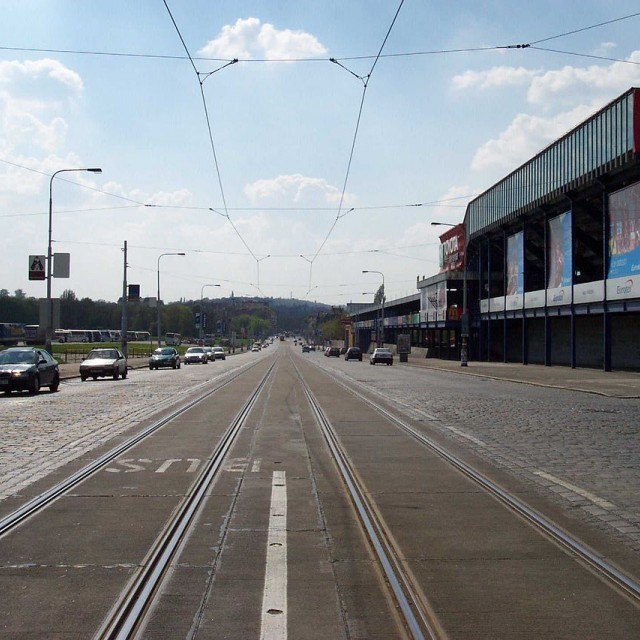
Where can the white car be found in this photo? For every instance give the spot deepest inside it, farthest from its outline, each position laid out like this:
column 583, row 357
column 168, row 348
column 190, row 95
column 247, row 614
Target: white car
column 195, row 355
column 219, row 353
column 103, row 363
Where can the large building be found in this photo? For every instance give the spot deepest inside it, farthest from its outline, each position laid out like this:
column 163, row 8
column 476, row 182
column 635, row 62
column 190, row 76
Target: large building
column 547, row 262
column 554, row 249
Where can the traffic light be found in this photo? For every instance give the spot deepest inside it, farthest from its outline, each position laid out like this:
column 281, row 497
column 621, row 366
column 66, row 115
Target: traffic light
column 197, row 320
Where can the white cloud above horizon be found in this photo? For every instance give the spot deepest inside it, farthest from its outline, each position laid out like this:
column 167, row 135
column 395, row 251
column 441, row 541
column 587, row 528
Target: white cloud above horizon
column 249, row 38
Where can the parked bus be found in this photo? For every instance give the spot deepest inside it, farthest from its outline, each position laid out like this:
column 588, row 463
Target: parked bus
column 32, row 334
column 138, row 336
column 62, row 335
column 11, row 333
column 173, row 339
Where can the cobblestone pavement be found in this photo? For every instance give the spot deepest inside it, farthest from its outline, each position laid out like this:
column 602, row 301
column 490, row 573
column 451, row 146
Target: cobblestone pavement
column 43, row 432
column 584, row 448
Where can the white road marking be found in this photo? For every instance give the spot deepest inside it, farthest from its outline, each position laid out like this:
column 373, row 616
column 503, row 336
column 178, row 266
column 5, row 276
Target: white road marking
column 605, row 504
column 166, row 464
column 274, row 598
column 255, row 468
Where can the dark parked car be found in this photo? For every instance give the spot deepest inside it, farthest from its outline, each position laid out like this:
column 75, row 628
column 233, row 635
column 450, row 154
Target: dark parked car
column 353, row 353
column 332, row 352
column 196, row 354
column 164, row 357
column 382, row 355
column 28, row 368
column 103, row 363
column 305, row 348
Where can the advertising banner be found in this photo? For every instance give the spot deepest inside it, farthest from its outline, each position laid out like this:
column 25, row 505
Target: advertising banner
column 515, row 264
column 559, row 254
column 436, row 302
column 624, row 238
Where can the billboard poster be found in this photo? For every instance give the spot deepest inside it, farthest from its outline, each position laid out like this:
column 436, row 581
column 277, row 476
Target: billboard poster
column 559, row 254
column 436, row 302
column 624, row 233
column 515, row 264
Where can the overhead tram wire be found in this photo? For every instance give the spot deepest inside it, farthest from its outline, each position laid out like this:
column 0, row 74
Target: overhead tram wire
column 344, row 58
column 202, row 77
column 365, row 80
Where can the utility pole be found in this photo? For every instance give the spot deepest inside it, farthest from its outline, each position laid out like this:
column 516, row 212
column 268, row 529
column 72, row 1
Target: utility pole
column 124, row 346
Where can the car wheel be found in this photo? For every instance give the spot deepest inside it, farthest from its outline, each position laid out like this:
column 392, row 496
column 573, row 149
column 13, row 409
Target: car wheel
column 53, row 387
column 34, row 385
column 124, row 374
column 150, row 368
column 174, row 365
column 178, row 365
column 116, row 374
column 95, row 377
column 83, row 378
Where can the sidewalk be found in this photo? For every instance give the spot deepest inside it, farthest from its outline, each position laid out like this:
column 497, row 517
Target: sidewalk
column 615, row 384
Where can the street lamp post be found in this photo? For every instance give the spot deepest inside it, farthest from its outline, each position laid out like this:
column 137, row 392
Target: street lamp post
column 201, row 307
column 381, row 338
column 464, row 329
column 158, row 301
column 49, row 332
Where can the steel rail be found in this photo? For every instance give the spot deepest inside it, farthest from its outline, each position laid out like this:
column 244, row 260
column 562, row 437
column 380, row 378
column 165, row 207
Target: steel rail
column 626, row 583
column 127, row 615
column 420, row 622
column 33, row 506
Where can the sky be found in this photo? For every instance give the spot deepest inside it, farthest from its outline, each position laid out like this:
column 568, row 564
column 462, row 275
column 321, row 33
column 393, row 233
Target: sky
column 342, row 131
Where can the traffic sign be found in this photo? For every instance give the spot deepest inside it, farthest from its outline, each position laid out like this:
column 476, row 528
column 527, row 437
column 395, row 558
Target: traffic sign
column 36, row 267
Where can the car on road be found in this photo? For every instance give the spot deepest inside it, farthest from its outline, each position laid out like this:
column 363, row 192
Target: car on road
column 306, row 348
column 353, row 353
column 332, row 352
column 255, row 348
column 28, row 369
column 381, row 355
column 219, row 353
column 164, row 357
column 210, row 354
column 196, row 355
column 103, row 363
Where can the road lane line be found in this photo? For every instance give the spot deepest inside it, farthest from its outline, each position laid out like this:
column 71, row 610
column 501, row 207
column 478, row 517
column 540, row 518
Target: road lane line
column 605, row 504
column 274, row 598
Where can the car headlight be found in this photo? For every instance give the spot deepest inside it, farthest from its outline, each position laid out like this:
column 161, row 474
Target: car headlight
column 20, row 374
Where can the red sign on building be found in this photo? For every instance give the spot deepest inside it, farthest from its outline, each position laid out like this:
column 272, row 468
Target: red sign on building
column 452, row 249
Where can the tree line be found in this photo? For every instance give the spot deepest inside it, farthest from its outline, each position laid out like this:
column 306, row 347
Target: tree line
column 247, row 317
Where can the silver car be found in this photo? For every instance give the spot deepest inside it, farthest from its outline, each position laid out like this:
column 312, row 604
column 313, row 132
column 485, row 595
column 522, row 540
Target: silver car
column 103, row 363
column 219, row 353
column 195, row 355
column 381, row 354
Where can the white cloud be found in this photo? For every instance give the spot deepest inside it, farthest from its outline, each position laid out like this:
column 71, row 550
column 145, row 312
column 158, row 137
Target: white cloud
column 502, row 76
column 525, row 136
column 14, row 70
column 249, row 38
column 575, row 83
column 296, row 190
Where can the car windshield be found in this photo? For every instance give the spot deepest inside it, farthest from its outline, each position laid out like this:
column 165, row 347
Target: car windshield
column 163, row 352
column 107, row 354
column 218, row 349
column 383, row 351
column 195, row 350
column 18, row 357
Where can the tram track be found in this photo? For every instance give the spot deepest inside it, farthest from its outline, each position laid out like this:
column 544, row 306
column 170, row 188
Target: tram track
column 419, row 620
column 14, row 519
column 127, row 617
column 612, row 574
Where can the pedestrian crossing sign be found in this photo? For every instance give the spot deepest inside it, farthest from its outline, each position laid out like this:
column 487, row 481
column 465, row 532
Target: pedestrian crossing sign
column 36, row 267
